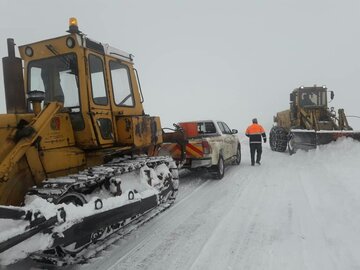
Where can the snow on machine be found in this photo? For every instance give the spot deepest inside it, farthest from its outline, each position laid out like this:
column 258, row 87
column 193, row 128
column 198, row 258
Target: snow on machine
column 309, row 122
column 78, row 155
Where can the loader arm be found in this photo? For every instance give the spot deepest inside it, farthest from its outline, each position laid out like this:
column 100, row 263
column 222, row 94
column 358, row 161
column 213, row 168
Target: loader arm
column 334, row 121
column 309, row 119
column 36, row 127
column 343, row 123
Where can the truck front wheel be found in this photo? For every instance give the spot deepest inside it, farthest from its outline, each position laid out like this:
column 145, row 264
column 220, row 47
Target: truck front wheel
column 238, row 156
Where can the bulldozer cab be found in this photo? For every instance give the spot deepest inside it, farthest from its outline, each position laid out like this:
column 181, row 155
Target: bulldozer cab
column 98, row 87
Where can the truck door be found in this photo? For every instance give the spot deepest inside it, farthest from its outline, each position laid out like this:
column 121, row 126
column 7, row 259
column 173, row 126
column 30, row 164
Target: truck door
column 229, row 140
column 99, row 102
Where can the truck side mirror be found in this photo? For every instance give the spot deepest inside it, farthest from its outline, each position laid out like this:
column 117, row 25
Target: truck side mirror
column 234, row 131
column 332, row 95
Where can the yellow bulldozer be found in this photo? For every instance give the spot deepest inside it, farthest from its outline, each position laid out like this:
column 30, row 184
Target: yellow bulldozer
column 309, row 122
column 75, row 134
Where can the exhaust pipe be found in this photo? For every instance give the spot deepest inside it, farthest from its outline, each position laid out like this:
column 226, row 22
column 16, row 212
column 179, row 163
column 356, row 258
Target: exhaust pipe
column 13, row 81
column 11, row 48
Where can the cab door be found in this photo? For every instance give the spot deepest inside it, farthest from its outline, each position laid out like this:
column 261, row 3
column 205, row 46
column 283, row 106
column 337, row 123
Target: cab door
column 99, row 101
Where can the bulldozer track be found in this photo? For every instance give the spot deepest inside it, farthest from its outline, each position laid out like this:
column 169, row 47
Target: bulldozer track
column 94, row 249
column 55, row 189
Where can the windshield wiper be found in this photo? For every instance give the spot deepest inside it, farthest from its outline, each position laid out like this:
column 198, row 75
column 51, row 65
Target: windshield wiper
column 63, row 58
column 69, row 63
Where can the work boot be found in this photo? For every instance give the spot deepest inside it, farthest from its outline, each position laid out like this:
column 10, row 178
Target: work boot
column 258, row 162
column 252, row 164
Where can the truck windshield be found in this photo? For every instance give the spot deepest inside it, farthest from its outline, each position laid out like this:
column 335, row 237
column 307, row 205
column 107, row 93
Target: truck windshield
column 313, row 98
column 57, row 77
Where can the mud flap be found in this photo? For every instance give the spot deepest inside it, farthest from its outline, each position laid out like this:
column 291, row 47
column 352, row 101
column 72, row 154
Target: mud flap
column 310, row 139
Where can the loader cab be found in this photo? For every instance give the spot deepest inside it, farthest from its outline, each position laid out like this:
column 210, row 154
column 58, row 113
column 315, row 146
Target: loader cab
column 311, row 97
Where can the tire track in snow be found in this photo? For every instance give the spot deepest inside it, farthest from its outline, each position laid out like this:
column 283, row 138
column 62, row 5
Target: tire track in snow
column 268, row 239
column 237, row 236
column 152, row 236
column 152, row 229
column 221, row 207
column 191, row 227
column 314, row 236
column 220, row 227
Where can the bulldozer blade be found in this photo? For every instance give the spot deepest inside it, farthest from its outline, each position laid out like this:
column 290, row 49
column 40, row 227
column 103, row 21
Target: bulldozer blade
column 310, row 139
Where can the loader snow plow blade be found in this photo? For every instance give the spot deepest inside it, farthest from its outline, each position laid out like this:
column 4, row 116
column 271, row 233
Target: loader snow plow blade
column 310, row 139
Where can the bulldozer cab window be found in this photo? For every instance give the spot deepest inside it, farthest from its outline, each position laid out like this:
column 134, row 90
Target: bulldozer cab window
column 57, row 77
column 121, row 85
column 97, row 80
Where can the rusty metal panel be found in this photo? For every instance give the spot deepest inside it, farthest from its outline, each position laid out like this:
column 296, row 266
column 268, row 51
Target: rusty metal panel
column 139, row 131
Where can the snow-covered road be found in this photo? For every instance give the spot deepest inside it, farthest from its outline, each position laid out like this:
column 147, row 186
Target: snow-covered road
column 292, row 212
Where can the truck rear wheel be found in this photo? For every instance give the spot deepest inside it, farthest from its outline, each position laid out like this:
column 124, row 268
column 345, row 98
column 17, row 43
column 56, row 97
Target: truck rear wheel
column 220, row 168
column 278, row 139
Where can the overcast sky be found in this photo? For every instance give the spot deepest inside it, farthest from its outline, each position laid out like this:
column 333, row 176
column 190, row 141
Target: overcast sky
column 199, row 59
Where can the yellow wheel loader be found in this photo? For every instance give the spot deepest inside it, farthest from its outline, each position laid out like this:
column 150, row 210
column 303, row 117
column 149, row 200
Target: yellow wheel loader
column 76, row 140
column 309, row 122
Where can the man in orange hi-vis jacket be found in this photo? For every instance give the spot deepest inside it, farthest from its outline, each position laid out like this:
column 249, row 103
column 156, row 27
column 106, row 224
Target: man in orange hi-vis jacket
column 255, row 132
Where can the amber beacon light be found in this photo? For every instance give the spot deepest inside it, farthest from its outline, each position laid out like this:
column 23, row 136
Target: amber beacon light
column 73, row 25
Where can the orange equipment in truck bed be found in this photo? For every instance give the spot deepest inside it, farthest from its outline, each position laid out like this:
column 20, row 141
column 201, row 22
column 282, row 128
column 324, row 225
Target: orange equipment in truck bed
column 190, row 129
column 196, row 148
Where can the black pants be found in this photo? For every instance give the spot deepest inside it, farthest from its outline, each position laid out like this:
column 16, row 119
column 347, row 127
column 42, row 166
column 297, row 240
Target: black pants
column 255, row 147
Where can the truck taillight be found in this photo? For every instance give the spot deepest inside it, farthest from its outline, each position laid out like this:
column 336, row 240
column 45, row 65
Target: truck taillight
column 206, row 147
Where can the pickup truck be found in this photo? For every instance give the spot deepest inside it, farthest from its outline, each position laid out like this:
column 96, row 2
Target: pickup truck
column 211, row 145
